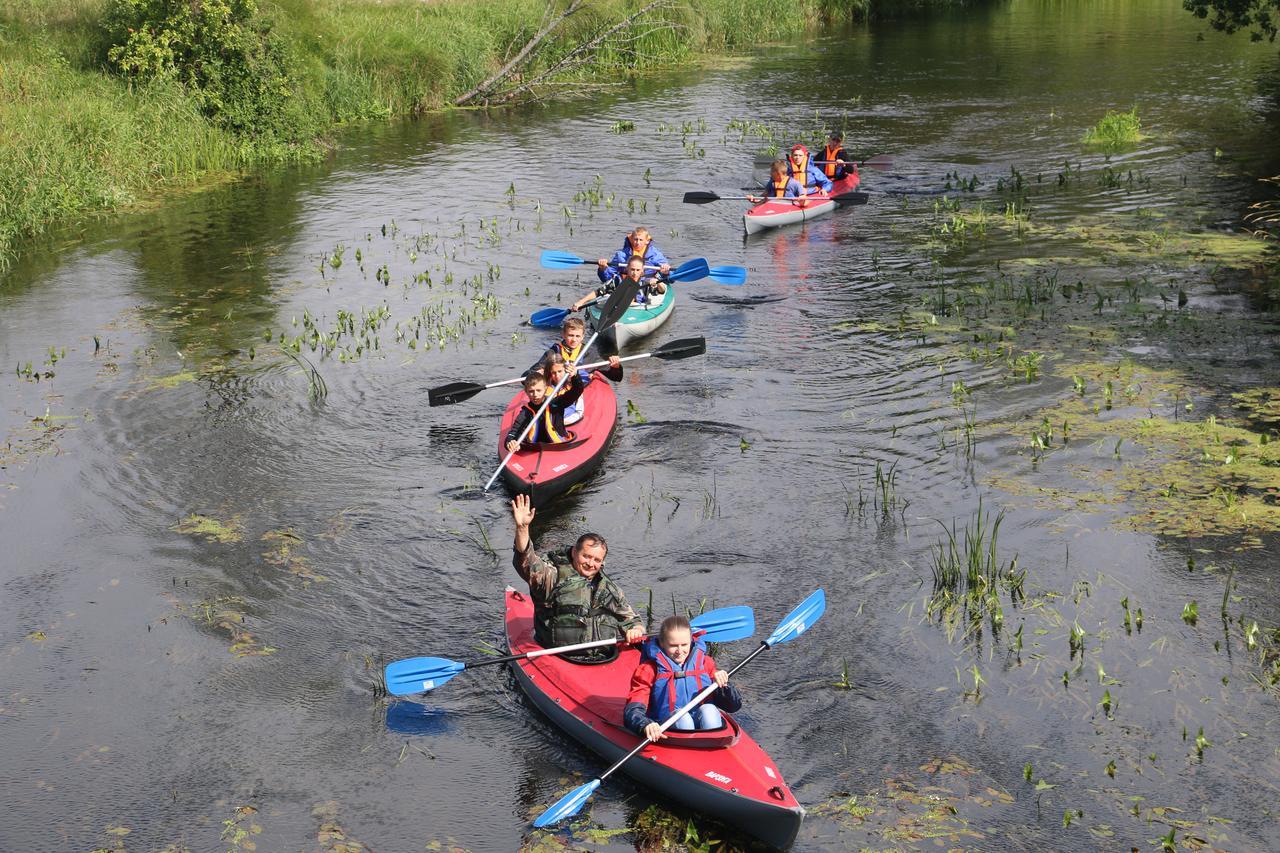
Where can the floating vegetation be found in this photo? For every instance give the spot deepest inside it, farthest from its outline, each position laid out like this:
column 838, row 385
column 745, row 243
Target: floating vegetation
column 331, row 836
column 622, row 126
column 239, row 830
column 210, row 528
column 282, row 545
column 1115, row 131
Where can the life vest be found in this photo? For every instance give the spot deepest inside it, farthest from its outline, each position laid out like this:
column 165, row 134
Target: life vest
column 569, row 354
column 578, row 610
column 676, row 685
column 642, row 251
column 545, row 432
column 778, row 189
column 801, row 173
column 827, row 154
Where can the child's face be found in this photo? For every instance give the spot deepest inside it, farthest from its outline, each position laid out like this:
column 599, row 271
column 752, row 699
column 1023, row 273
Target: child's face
column 677, row 644
column 555, row 372
column 537, row 392
column 572, row 338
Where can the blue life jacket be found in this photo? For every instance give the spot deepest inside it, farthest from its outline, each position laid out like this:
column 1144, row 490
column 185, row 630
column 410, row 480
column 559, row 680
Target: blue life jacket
column 676, row 685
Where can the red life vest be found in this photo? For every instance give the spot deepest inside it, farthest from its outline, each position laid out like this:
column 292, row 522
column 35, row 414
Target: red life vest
column 676, row 685
column 828, row 154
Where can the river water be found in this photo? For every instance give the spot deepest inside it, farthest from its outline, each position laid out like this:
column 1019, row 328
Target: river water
column 205, row 568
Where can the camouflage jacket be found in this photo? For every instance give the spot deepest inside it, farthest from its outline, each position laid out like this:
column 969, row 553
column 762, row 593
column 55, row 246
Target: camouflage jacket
column 568, row 608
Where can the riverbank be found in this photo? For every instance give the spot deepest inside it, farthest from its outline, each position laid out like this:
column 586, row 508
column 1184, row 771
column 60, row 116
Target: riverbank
column 81, row 137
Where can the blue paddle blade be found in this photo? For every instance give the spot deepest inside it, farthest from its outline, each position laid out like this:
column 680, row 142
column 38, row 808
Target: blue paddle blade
column 418, row 675
column 693, row 270
column 568, row 805
column 728, row 275
column 726, row 624
column 549, row 318
column 554, row 259
column 800, row 619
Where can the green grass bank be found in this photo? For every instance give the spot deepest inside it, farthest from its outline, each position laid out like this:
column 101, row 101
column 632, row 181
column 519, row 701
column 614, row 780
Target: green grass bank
column 86, row 129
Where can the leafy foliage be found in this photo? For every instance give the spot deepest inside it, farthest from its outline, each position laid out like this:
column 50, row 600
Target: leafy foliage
column 223, row 52
column 1257, row 16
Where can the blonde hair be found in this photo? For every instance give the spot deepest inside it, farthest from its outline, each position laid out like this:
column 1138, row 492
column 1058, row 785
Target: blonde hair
column 573, row 323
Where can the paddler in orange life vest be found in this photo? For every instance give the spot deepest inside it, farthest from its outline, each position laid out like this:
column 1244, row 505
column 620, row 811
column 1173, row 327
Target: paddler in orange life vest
column 780, row 184
column 550, row 428
column 674, row 668
column 638, row 242
column 809, row 177
column 836, row 162
column 649, row 287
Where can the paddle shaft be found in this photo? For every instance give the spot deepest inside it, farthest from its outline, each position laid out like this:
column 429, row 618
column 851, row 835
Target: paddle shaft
column 680, row 712
column 558, row 650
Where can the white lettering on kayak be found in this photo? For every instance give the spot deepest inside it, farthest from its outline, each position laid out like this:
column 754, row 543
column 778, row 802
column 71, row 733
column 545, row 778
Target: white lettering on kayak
column 719, row 777
column 427, row 685
column 772, row 775
column 559, row 468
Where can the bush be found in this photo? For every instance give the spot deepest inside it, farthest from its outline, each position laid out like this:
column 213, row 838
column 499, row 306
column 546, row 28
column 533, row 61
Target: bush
column 222, row 51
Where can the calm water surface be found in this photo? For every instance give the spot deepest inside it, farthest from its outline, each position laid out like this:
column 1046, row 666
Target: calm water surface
column 159, row 681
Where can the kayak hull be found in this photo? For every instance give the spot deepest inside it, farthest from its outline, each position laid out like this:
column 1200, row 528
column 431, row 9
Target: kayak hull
column 545, row 471
column 638, row 321
column 776, row 213
column 724, row 774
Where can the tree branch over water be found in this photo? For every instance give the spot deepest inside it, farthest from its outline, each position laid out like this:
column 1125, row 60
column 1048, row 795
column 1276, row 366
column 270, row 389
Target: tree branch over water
column 507, row 86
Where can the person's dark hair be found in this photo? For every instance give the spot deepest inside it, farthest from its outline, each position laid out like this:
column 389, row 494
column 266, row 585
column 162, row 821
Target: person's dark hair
column 533, row 377
column 553, row 357
column 836, row 136
column 591, row 539
column 673, row 623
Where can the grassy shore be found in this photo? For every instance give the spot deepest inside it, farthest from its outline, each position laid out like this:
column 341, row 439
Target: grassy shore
column 79, row 137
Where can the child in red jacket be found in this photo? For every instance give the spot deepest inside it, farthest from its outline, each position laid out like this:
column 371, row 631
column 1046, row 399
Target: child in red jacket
column 675, row 667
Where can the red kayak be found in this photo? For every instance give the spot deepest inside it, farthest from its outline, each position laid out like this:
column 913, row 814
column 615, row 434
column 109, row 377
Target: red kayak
column 544, row 471
column 722, row 773
column 776, row 212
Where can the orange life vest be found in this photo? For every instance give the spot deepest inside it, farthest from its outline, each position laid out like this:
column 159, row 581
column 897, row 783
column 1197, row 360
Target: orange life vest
column 779, row 188
column 828, row 154
column 800, row 173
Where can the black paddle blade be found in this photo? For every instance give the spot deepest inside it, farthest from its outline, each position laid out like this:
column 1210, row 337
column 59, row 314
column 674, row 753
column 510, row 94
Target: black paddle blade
column 619, row 301
column 454, row 392
column 700, row 197
column 681, row 349
column 880, row 161
column 846, row 199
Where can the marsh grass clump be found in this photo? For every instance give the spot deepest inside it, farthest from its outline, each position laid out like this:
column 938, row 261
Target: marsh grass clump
column 1115, row 131
column 968, row 574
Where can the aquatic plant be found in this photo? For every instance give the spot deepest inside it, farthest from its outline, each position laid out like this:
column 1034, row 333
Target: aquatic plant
column 1115, row 131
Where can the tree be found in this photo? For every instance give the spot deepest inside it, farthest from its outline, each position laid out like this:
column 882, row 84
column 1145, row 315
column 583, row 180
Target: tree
column 1257, row 16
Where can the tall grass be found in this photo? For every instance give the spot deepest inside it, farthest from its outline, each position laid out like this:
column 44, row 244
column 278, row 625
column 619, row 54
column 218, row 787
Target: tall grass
column 77, row 138
column 1115, row 131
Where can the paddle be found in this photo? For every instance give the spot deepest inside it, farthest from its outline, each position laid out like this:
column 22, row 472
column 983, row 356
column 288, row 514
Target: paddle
column 456, row 392
column 844, row 199
column 554, row 259
column 550, row 318
column 796, row 623
column 611, row 313
column 418, row 675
